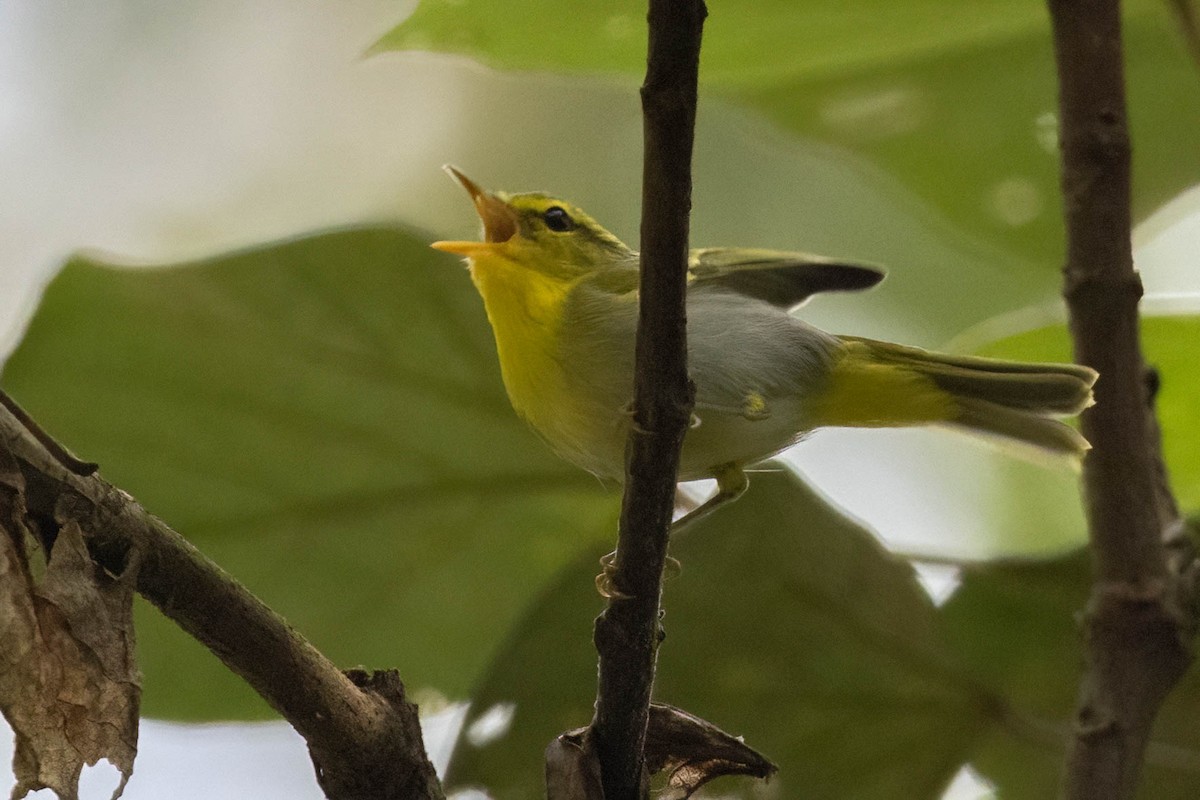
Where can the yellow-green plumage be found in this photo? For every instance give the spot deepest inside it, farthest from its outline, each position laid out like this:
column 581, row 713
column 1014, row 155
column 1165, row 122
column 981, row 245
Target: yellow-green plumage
column 561, row 296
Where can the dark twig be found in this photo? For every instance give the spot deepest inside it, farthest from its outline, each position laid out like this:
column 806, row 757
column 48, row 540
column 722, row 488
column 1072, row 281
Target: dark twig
column 60, row 453
column 627, row 633
column 1136, row 627
column 363, row 736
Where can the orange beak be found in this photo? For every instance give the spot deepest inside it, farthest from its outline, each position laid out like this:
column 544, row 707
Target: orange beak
column 499, row 221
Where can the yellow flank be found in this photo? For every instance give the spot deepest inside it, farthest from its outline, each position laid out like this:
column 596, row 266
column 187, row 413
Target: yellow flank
column 862, row 392
column 756, row 407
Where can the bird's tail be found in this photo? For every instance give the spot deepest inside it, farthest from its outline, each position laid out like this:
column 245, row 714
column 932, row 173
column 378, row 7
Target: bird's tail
column 1014, row 400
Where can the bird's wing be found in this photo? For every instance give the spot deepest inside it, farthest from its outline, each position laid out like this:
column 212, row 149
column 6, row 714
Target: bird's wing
column 781, row 279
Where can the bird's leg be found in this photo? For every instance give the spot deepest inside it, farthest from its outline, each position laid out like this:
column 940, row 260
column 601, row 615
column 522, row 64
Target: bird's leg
column 731, row 484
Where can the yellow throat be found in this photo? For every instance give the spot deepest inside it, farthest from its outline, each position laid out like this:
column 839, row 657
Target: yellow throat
column 525, row 285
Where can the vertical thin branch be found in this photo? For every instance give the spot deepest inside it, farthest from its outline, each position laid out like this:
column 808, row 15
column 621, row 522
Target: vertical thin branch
column 627, row 633
column 1135, row 628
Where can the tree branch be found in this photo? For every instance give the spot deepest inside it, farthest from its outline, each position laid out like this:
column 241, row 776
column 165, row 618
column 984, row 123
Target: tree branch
column 363, row 735
column 627, row 633
column 1137, row 624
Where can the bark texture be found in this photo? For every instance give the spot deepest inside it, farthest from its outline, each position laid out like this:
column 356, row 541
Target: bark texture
column 627, row 633
column 1140, row 618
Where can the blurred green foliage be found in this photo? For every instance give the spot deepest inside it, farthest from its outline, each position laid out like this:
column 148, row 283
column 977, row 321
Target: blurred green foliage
column 325, row 419
column 1169, row 344
column 956, row 101
column 790, row 625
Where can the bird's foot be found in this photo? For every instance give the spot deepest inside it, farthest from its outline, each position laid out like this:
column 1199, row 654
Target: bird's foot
column 604, row 581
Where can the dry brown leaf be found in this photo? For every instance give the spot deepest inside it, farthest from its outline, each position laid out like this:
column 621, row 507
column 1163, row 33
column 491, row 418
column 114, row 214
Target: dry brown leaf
column 69, row 685
column 572, row 771
column 694, row 751
column 691, row 751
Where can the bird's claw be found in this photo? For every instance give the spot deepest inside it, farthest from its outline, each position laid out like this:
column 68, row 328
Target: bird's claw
column 629, row 411
column 604, row 581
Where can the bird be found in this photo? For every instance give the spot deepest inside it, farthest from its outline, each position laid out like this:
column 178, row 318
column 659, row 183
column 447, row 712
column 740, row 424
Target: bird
column 561, row 295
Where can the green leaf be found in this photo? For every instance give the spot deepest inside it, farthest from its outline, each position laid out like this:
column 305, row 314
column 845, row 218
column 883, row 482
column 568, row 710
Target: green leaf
column 324, row 418
column 957, row 101
column 1034, row 509
column 971, row 126
column 789, row 625
column 746, row 43
column 1168, row 343
column 1014, row 625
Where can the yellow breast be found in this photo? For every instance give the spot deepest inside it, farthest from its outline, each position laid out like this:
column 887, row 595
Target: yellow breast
column 525, row 309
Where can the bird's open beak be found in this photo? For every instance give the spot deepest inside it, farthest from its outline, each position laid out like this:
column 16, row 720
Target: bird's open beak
column 499, row 221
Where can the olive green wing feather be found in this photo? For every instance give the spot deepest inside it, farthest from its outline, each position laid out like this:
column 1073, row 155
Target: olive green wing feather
column 779, row 278
column 782, row 279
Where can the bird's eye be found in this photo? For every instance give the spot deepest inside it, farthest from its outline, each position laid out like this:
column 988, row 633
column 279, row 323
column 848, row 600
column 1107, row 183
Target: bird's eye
column 557, row 219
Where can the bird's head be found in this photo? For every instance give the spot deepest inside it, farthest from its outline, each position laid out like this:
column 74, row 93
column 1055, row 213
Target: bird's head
column 538, row 232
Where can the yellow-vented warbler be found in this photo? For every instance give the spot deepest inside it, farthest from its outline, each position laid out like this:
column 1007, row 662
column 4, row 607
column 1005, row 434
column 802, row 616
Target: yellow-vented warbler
column 561, row 295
